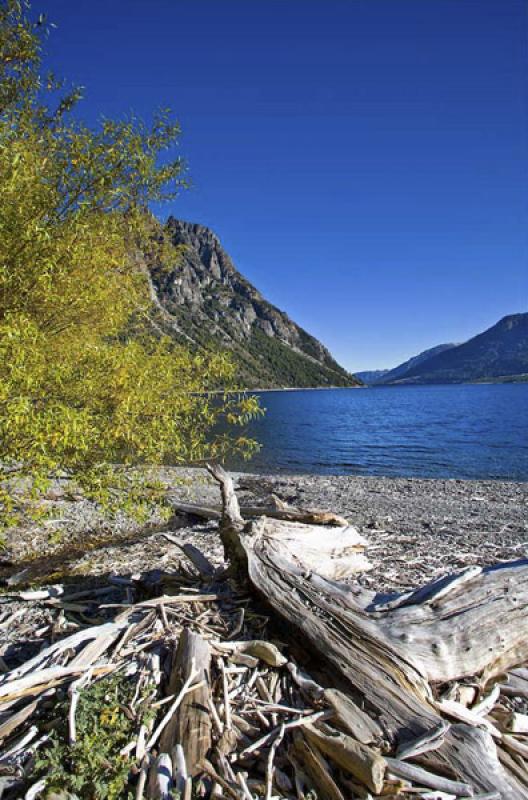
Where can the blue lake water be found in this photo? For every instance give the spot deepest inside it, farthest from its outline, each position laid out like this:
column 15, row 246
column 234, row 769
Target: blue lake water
column 460, row 431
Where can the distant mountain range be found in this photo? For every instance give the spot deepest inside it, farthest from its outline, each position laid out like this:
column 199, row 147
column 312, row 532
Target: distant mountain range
column 398, row 373
column 499, row 353
column 205, row 301
column 373, row 376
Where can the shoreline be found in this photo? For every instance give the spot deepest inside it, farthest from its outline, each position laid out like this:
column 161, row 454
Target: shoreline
column 481, row 382
column 304, row 389
column 418, row 528
column 266, row 472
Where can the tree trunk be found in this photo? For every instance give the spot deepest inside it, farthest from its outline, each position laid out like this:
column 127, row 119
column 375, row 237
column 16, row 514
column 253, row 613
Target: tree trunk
column 395, row 653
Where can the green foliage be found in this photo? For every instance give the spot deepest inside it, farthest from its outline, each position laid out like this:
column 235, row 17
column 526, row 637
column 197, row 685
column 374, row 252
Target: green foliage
column 92, row 767
column 19, row 55
column 288, row 368
column 263, row 360
column 79, row 392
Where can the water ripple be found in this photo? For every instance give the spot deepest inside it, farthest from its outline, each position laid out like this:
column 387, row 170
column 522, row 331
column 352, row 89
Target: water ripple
column 463, row 431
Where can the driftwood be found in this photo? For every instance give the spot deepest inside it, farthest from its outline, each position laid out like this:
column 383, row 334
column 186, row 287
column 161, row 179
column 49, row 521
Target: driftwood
column 200, row 562
column 352, row 718
column 160, row 779
column 393, row 654
column 358, row 759
column 421, row 694
column 315, row 767
column 279, row 510
column 190, row 728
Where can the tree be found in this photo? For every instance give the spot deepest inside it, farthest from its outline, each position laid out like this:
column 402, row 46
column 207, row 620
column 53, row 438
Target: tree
column 86, row 383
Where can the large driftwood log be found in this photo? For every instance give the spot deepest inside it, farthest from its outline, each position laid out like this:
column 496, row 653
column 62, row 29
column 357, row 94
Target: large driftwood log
column 394, row 653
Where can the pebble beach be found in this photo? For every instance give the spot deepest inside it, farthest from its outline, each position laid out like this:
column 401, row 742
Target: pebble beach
column 417, row 529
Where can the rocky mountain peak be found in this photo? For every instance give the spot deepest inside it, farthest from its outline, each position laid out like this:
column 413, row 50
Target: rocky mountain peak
column 210, row 302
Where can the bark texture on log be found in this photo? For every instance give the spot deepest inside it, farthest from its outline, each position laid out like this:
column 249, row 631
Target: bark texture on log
column 394, row 652
column 191, row 725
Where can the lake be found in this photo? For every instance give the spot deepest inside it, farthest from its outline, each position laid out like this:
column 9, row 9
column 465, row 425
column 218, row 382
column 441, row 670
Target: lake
column 455, row 431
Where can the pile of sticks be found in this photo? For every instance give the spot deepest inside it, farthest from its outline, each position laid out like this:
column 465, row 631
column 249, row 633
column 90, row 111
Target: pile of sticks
column 236, row 716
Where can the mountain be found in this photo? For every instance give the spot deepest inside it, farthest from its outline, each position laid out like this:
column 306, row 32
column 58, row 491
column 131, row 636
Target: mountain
column 372, row 377
column 499, row 352
column 204, row 301
column 395, row 374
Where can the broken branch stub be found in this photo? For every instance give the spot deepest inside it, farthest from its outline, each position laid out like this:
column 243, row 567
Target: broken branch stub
column 232, row 524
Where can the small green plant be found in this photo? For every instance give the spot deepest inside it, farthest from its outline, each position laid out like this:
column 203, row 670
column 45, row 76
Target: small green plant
column 55, row 537
column 92, row 767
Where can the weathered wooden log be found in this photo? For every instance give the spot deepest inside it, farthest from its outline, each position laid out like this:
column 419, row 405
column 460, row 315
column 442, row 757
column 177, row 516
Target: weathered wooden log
column 15, row 720
column 393, row 653
column 260, row 649
column 312, row 516
column 423, row 778
column 358, row 759
column 315, row 768
column 350, row 716
column 335, row 555
column 190, row 727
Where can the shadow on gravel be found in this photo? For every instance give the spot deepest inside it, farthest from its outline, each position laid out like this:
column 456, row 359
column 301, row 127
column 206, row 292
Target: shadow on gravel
column 56, row 566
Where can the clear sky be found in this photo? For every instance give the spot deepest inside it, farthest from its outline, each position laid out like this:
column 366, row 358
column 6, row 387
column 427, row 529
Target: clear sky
column 365, row 162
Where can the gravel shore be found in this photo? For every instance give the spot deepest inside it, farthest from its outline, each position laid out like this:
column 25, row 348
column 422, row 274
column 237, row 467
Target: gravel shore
column 417, row 529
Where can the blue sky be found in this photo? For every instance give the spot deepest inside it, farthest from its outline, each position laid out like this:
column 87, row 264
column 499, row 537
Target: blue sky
column 365, row 162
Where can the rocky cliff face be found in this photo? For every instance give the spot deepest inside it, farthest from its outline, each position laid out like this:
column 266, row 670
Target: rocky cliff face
column 207, row 302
